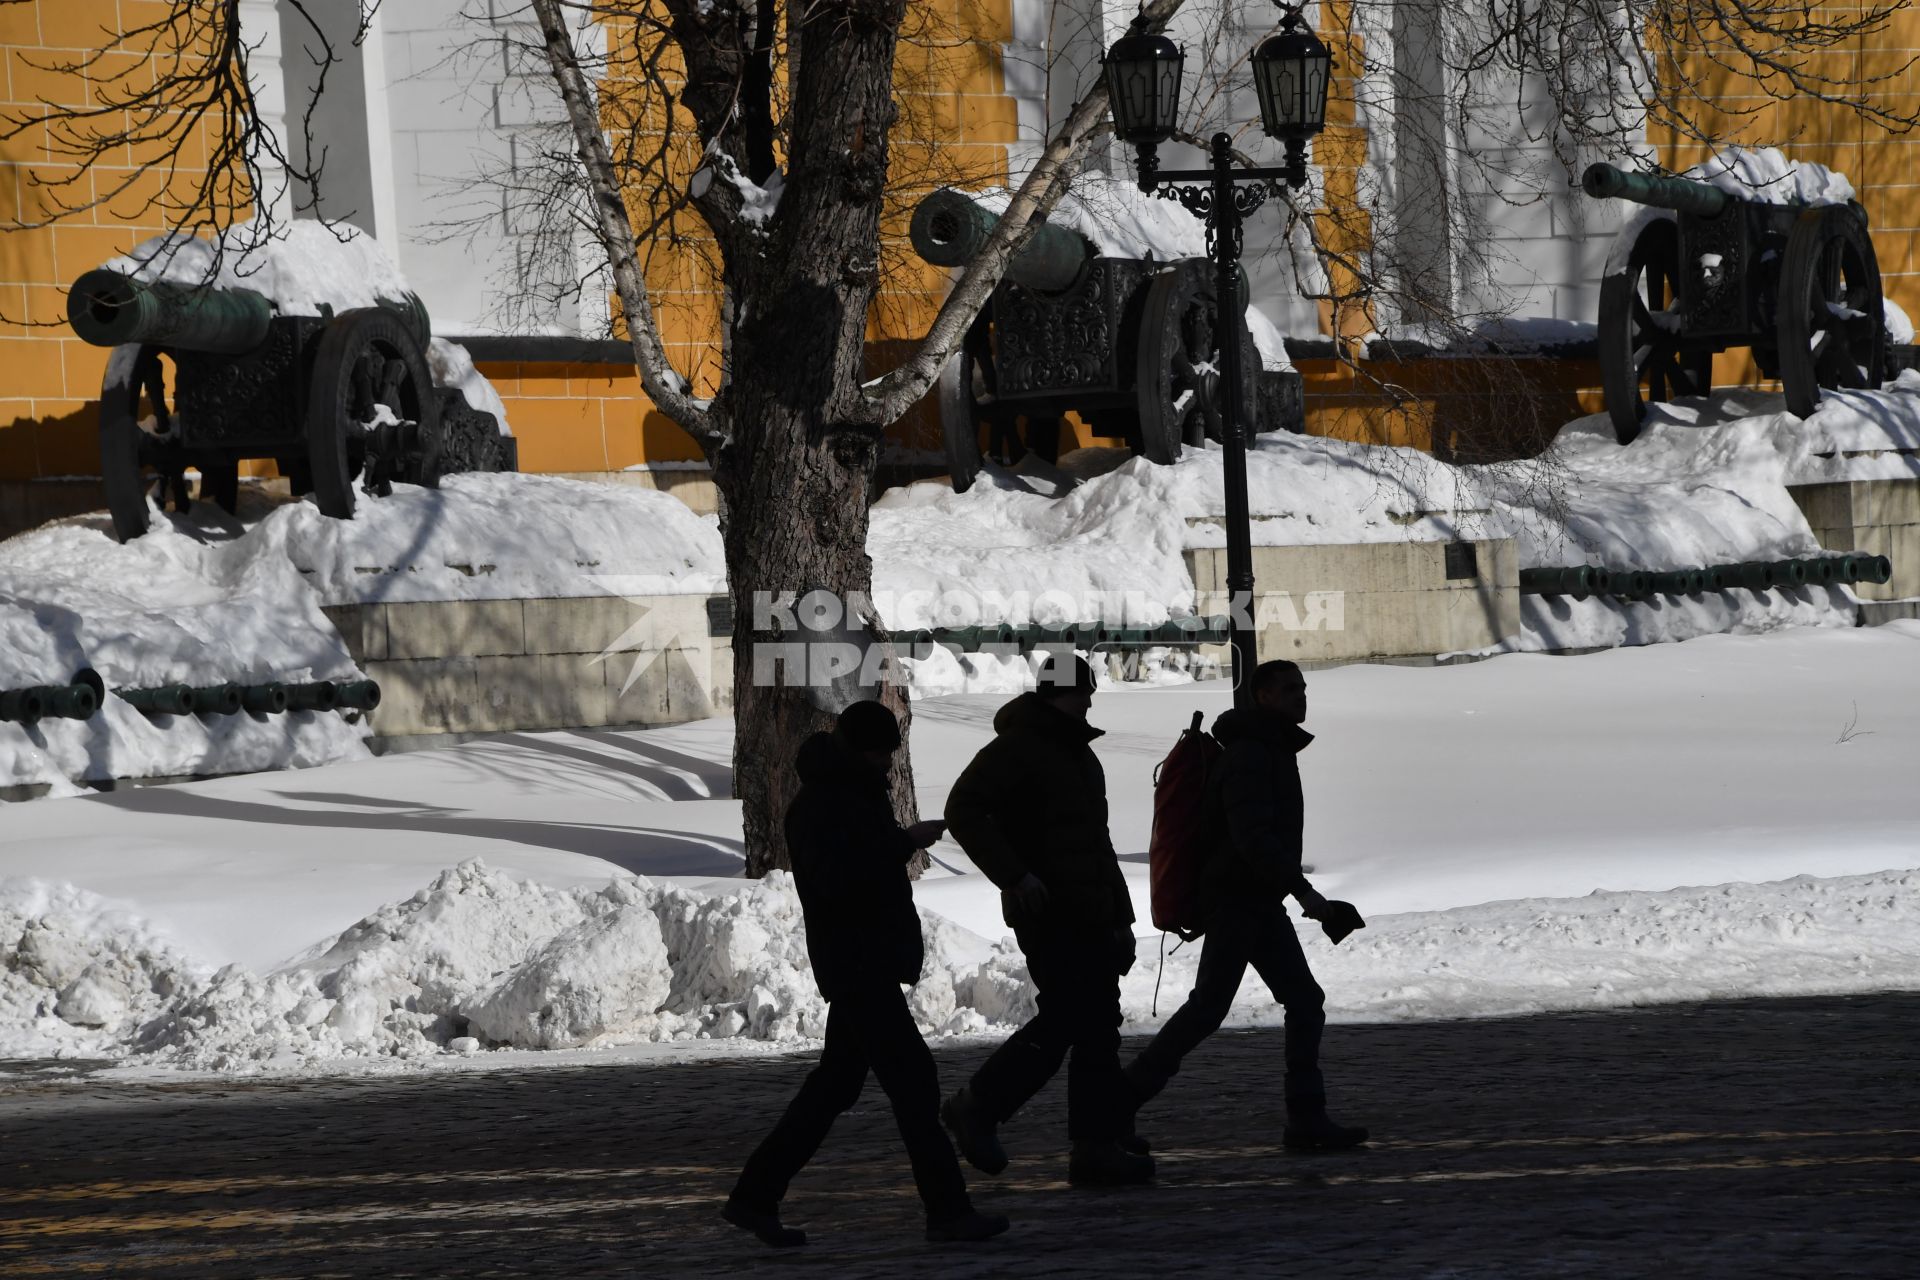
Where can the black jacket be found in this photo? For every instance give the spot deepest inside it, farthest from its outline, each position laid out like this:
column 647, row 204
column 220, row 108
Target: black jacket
column 1034, row 800
column 850, row 860
column 1255, row 809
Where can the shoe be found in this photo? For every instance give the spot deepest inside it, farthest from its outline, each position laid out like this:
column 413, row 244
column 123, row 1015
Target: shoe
column 1135, row 1144
column 765, row 1227
column 1309, row 1129
column 973, row 1133
column 1107, row 1164
column 965, row 1227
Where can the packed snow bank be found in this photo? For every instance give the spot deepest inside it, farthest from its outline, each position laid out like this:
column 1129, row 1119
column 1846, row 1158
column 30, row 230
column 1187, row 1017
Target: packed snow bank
column 1116, row 541
column 486, row 536
column 481, row 960
column 205, row 598
column 1706, row 482
column 166, row 608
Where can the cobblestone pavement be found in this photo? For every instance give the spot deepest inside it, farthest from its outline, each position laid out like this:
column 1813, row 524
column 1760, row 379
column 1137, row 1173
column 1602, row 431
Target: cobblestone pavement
column 1769, row 1138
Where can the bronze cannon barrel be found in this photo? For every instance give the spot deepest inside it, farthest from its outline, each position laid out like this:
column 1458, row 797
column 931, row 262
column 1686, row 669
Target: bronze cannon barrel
column 1682, row 195
column 110, row 308
column 950, row 229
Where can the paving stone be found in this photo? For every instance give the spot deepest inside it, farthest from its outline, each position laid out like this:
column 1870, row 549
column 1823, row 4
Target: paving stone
column 1769, row 1138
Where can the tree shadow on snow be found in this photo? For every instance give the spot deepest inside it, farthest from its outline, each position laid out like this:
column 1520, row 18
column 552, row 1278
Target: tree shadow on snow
column 641, row 850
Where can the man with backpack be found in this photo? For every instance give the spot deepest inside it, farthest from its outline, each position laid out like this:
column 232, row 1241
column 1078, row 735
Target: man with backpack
column 850, row 860
column 1252, row 819
column 1031, row 811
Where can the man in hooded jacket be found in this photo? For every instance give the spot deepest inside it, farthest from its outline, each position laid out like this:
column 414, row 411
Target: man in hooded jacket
column 1255, row 814
column 850, row 859
column 1031, row 811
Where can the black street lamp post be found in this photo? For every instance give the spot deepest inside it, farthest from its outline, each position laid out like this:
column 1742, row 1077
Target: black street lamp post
column 1290, row 75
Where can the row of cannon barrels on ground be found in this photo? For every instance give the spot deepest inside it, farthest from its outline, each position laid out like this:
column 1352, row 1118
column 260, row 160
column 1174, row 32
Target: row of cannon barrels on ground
column 81, row 698
column 1081, row 635
column 1753, row 575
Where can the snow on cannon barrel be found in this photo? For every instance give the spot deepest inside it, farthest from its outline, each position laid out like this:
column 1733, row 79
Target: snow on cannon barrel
column 1128, row 345
column 1787, row 270
column 205, row 378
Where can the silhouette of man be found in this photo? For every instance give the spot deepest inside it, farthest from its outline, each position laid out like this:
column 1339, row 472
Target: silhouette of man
column 1031, row 811
column 850, row 860
column 1255, row 812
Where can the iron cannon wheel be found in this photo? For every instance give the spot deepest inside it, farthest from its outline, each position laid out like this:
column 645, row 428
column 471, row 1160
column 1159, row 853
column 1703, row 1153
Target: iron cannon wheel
column 1640, row 345
column 1177, row 350
column 1830, row 320
column 966, row 402
column 133, row 459
column 1179, row 359
column 367, row 361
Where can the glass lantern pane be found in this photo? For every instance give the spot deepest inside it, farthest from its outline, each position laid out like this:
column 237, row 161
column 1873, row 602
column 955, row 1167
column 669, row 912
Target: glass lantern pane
column 1167, row 95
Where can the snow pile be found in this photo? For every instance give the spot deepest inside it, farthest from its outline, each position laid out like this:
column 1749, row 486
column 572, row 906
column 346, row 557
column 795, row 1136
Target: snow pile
column 206, row 599
column 1112, row 548
column 302, row 267
column 451, row 366
column 1804, row 936
column 1765, row 174
column 480, row 959
column 500, row 536
column 168, row 608
column 478, row 955
column 1705, row 483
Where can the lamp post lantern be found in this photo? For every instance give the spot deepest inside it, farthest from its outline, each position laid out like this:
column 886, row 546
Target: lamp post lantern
column 1291, row 70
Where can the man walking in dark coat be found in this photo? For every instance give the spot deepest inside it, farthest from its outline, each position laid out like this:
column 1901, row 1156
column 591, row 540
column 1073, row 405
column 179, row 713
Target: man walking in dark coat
column 1255, row 814
column 1031, row 811
column 863, row 937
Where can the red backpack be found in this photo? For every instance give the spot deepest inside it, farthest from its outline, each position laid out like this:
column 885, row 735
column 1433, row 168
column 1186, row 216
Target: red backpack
column 1179, row 848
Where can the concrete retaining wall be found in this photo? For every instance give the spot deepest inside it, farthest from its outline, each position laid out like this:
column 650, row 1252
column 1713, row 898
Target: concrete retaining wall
column 494, row 666
column 1375, row 600
column 1877, row 517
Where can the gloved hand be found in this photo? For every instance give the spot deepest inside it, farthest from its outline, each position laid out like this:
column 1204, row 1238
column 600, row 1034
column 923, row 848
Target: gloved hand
column 1028, row 898
column 926, row 832
column 1124, row 947
column 1338, row 919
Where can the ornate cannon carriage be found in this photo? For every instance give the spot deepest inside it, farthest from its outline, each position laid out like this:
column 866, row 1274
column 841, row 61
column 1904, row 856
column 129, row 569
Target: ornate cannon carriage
column 206, row 378
column 1799, row 284
column 1127, row 343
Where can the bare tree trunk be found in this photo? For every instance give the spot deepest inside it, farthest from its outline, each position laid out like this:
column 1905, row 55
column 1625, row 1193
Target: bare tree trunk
column 796, row 470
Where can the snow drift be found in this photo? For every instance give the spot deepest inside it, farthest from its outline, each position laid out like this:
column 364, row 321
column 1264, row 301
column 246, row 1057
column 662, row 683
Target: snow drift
column 479, row 959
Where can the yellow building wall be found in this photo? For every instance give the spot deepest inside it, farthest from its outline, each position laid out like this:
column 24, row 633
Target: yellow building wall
column 50, row 380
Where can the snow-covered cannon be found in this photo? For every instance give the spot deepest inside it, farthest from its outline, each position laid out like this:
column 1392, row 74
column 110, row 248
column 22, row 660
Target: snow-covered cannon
column 205, row 378
column 1127, row 343
column 1797, row 283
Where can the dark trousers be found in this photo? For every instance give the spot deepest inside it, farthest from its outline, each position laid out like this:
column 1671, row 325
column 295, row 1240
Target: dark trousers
column 1239, row 935
column 1079, row 1013
column 868, row 1028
